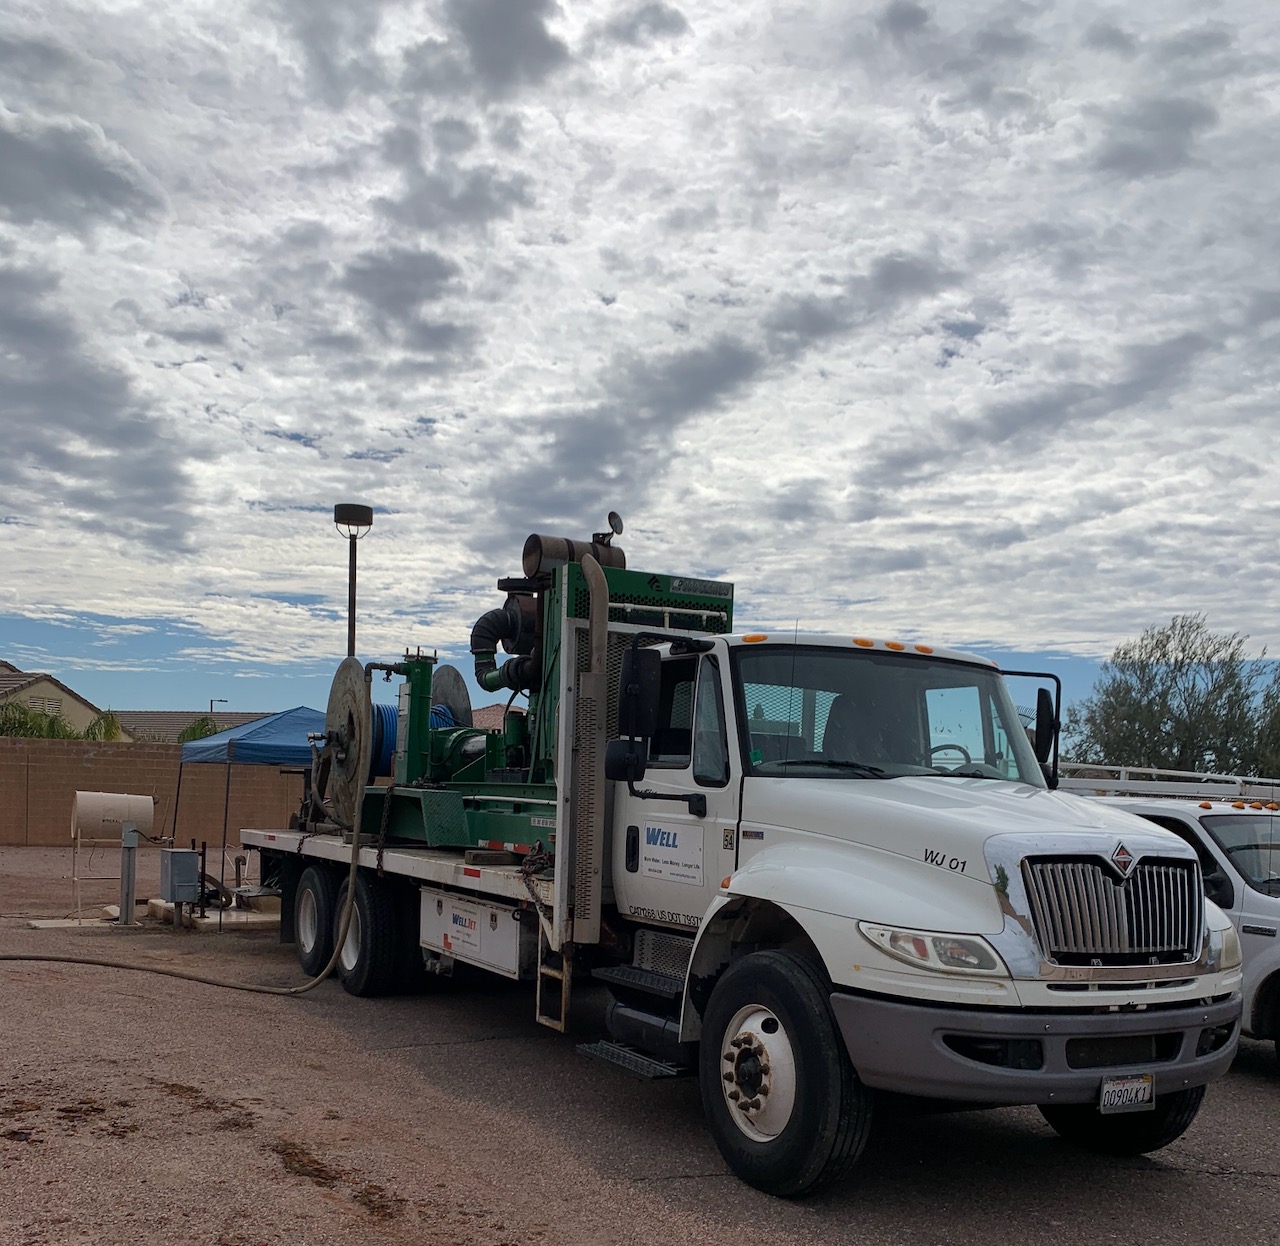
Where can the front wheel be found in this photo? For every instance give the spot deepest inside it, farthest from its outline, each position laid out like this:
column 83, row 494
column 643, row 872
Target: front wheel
column 1129, row 1133
column 783, row 1102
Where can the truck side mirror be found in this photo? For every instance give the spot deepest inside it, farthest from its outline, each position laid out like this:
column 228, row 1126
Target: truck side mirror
column 625, row 760
column 1046, row 725
column 638, row 694
column 1218, row 889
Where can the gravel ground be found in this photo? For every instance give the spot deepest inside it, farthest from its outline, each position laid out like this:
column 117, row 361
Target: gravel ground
column 137, row 1108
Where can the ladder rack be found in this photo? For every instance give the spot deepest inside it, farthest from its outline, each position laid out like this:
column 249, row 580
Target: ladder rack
column 1152, row 781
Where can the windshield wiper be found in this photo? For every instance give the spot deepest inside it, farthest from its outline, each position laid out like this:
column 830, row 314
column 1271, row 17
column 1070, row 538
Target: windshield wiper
column 963, row 774
column 859, row 768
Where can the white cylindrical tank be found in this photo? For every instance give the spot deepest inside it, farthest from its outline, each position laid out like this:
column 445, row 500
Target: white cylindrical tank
column 100, row 815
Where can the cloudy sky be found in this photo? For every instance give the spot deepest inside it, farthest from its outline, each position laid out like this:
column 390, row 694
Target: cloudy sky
column 955, row 322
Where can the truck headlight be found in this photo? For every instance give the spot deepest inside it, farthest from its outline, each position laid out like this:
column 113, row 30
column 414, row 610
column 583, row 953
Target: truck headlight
column 926, row 949
column 1224, row 948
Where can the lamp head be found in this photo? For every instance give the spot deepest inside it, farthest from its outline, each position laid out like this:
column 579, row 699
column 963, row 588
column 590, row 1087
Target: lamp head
column 353, row 520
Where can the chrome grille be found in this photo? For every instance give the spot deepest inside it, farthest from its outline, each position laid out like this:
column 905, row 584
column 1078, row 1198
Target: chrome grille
column 1084, row 912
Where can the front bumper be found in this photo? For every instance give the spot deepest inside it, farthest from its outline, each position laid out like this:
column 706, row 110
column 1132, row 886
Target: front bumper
column 948, row 1053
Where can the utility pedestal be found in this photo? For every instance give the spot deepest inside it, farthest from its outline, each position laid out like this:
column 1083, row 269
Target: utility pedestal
column 128, row 872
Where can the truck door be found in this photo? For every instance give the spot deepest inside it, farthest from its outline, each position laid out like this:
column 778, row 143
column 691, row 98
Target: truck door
column 667, row 860
column 1251, row 842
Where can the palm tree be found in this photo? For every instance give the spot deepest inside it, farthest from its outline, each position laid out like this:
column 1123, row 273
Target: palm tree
column 22, row 720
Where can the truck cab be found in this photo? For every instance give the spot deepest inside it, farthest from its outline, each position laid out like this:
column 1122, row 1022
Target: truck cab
column 870, row 818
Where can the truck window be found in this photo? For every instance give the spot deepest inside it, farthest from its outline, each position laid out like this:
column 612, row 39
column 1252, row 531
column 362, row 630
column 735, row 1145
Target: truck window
column 1208, row 863
column 672, row 743
column 710, row 740
column 1252, row 842
column 824, row 712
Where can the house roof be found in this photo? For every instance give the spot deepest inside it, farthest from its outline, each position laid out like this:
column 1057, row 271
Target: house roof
column 13, row 680
column 490, row 716
column 165, row 726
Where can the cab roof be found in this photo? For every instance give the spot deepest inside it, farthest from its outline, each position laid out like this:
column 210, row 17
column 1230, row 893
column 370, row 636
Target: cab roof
column 782, row 636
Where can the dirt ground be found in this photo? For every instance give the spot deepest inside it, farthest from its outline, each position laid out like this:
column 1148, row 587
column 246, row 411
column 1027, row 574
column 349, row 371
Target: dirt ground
column 137, row 1108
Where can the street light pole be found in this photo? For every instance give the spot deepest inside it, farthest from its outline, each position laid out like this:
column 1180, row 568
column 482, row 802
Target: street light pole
column 216, row 701
column 352, row 521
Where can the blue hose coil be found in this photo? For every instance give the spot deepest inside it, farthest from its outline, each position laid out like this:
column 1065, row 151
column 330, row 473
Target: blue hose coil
column 385, row 719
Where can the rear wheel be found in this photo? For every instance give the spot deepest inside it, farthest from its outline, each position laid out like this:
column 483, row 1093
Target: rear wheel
column 1129, row 1133
column 313, row 909
column 783, row 1102
column 367, row 961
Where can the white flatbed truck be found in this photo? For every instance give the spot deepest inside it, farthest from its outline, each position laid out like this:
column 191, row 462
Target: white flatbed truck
column 808, row 868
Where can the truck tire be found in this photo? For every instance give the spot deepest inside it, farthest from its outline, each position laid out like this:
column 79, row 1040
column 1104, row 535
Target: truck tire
column 313, row 909
column 367, row 962
column 768, row 1033
column 1130, row 1133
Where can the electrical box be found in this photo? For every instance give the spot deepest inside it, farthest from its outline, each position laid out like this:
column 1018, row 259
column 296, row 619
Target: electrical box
column 180, row 875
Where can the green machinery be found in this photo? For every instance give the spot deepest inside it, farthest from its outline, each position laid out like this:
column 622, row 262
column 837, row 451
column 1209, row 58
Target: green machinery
column 455, row 785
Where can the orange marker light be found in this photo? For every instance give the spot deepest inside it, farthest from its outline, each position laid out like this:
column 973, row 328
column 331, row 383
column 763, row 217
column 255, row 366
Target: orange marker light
column 863, row 642
column 724, row 882
column 755, row 638
column 1237, row 804
column 1271, row 804
column 1257, row 804
column 923, row 648
column 1206, row 804
column 896, row 645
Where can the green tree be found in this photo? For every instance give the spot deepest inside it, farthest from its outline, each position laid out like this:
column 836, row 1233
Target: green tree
column 198, row 728
column 1267, row 751
column 1179, row 697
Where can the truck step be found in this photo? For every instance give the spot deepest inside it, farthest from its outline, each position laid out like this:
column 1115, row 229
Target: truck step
column 647, row 980
column 632, row 1060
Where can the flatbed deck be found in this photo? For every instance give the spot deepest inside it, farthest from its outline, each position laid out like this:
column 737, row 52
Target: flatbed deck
column 442, row 866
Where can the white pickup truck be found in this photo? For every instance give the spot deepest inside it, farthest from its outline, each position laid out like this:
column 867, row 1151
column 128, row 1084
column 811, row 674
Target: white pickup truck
column 1231, row 823
column 808, row 868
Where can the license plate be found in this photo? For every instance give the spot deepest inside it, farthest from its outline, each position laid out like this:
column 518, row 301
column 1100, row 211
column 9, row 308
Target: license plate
column 1135, row 1093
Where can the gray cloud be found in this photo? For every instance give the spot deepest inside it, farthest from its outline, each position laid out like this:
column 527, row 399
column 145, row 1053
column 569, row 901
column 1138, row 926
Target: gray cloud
column 796, row 323
column 1153, row 136
column 507, row 41
column 67, row 417
column 453, row 135
column 895, row 278
column 337, row 40
column 65, row 172
column 1149, row 373
column 32, row 59
column 1107, row 37
column 395, row 283
column 903, row 18
column 450, row 197
column 1194, row 43
column 643, row 24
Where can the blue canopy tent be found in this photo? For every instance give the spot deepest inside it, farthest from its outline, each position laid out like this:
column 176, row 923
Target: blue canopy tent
column 276, row 740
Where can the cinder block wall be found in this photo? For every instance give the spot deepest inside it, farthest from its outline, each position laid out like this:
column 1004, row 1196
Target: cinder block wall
column 39, row 780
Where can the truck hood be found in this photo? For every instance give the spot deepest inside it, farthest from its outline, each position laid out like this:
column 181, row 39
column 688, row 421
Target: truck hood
column 940, row 821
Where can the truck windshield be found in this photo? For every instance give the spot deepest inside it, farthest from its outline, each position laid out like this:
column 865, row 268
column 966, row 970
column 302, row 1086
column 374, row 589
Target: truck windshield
column 1252, row 841
column 818, row 712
